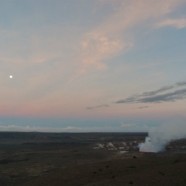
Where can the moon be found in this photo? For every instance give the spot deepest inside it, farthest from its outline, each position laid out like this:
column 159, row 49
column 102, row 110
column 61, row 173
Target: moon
column 10, row 76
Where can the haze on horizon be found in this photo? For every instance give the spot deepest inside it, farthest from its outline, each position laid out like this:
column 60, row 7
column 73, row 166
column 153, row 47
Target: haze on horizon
column 92, row 65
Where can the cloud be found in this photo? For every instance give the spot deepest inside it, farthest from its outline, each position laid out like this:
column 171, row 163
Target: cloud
column 116, row 33
column 181, row 84
column 29, row 128
column 143, row 107
column 165, row 94
column 128, row 125
column 172, row 96
column 176, row 23
column 135, row 127
column 96, row 47
column 163, row 89
column 98, row 107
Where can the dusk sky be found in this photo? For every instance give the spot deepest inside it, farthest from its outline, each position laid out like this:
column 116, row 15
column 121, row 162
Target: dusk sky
column 92, row 65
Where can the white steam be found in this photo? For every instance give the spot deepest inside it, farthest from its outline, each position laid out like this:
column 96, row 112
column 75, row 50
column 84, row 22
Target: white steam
column 158, row 138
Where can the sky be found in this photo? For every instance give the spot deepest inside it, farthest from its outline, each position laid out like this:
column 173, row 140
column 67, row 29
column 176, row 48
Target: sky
column 92, row 65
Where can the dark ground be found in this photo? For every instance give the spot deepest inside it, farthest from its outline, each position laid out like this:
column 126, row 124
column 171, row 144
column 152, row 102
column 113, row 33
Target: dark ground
column 67, row 159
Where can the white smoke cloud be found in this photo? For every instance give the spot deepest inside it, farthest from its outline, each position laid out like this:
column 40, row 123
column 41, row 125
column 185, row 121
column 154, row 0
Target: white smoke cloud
column 158, row 138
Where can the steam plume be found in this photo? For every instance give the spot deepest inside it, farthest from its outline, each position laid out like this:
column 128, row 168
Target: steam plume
column 157, row 139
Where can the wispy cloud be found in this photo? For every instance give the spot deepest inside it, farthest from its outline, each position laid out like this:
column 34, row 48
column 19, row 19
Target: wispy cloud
column 169, row 93
column 98, row 107
column 179, row 23
column 143, row 107
column 179, row 84
column 96, row 47
column 115, row 34
column 164, row 94
column 29, row 128
column 163, row 89
column 167, row 97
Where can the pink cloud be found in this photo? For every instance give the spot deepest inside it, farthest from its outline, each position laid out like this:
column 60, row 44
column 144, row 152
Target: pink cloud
column 115, row 35
column 176, row 23
column 96, row 47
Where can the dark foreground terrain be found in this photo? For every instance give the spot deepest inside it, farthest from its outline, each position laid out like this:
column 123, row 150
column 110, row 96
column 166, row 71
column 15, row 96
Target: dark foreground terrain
column 87, row 159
